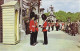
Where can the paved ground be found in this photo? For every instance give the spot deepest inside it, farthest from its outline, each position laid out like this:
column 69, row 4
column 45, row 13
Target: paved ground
column 57, row 41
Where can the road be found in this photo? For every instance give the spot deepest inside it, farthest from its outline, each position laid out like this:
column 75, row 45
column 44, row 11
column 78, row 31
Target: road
column 57, row 41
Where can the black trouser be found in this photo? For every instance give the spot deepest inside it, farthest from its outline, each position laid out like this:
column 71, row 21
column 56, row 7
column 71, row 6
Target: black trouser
column 26, row 28
column 49, row 28
column 32, row 38
column 45, row 37
column 57, row 27
column 52, row 27
column 35, row 38
column 73, row 33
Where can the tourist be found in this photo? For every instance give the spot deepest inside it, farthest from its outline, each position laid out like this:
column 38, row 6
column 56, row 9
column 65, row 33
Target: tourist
column 79, row 27
column 73, row 29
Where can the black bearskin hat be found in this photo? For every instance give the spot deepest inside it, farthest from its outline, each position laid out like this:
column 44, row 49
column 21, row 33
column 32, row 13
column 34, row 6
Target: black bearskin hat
column 32, row 14
column 36, row 17
column 56, row 20
column 44, row 17
column 52, row 21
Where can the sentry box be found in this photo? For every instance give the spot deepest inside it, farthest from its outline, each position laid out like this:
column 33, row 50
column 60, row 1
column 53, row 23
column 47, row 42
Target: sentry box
column 10, row 16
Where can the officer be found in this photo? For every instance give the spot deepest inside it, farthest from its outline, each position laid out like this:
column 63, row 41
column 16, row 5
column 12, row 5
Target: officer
column 44, row 29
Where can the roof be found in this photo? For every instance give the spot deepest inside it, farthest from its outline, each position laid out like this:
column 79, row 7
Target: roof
column 42, row 9
column 11, row 3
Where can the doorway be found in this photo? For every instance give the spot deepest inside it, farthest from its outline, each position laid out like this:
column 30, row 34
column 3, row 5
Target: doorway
column 16, row 26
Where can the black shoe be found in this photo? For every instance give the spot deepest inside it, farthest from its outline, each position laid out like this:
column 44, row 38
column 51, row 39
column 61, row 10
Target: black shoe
column 71, row 35
column 33, row 44
column 74, row 35
column 44, row 44
column 36, row 42
column 48, row 31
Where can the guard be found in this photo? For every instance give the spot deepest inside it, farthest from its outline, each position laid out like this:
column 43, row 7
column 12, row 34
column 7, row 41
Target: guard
column 32, row 29
column 36, row 27
column 44, row 29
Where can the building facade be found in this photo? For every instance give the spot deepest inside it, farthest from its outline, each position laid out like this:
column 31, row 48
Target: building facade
column 51, row 15
column 1, row 35
column 40, row 18
column 24, row 11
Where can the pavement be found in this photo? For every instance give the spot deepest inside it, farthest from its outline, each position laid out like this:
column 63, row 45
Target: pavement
column 57, row 41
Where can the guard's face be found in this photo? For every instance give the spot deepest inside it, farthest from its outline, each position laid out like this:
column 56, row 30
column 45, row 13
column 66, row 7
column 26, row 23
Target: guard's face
column 33, row 18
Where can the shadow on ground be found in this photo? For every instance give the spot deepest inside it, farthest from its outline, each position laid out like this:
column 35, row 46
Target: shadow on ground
column 40, row 41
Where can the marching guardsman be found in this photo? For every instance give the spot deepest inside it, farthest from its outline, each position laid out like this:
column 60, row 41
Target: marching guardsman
column 49, row 24
column 32, row 29
column 36, row 27
column 52, row 25
column 57, row 25
column 44, row 29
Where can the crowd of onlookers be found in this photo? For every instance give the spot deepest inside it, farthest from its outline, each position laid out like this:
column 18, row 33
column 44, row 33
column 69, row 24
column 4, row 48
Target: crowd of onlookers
column 72, row 28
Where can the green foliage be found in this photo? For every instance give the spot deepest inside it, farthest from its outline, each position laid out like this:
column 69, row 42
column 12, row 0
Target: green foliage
column 47, row 14
column 64, row 16
column 61, row 15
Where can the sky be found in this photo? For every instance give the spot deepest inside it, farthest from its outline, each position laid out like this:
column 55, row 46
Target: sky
column 64, row 5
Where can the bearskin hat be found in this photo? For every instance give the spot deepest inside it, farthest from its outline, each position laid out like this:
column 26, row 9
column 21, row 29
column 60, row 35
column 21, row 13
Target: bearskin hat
column 36, row 17
column 32, row 14
column 52, row 21
column 56, row 20
column 44, row 17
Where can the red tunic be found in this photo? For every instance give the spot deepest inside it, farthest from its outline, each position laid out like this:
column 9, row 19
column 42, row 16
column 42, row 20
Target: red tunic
column 36, row 25
column 44, row 26
column 32, row 26
column 49, row 24
column 52, row 24
column 57, row 24
column 62, row 24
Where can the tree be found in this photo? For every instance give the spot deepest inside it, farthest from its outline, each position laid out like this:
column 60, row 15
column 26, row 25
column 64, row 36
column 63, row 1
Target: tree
column 47, row 14
column 63, row 16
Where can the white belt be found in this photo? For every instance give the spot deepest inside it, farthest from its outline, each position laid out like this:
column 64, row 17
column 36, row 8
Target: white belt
column 33, row 26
